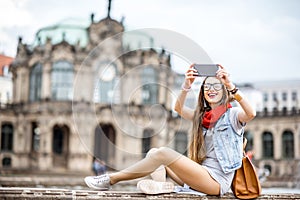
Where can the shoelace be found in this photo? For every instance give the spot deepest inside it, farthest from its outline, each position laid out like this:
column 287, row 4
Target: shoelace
column 102, row 179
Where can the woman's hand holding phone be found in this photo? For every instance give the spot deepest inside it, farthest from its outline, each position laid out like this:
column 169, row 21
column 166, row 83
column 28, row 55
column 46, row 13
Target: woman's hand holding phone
column 223, row 76
column 190, row 76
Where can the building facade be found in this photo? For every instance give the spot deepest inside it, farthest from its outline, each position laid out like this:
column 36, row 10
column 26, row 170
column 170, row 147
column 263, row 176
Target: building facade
column 75, row 99
column 274, row 134
column 5, row 80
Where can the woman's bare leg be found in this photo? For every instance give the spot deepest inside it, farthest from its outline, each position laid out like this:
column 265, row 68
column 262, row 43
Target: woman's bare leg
column 195, row 176
column 184, row 168
column 146, row 166
column 160, row 173
column 173, row 176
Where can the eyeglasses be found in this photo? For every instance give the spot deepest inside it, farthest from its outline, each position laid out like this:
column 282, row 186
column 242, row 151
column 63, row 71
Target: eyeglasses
column 216, row 86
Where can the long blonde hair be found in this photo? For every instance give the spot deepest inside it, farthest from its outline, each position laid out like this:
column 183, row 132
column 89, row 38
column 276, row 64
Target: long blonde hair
column 197, row 150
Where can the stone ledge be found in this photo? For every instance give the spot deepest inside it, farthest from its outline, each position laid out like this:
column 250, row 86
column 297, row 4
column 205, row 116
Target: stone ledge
column 9, row 193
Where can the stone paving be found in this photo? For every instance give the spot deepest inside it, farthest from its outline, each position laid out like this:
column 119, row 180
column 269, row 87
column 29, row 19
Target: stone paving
column 63, row 187
column 16, row 193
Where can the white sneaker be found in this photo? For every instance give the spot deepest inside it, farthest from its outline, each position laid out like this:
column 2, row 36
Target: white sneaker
column 154, row 187
column 159, row 174
column 101, row 182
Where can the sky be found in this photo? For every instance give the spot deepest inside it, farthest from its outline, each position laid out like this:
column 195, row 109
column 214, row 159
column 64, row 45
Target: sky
column 255, row 40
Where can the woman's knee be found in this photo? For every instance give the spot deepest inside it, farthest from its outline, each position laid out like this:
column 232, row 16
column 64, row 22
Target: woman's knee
column 162, row 153
column 151, row 151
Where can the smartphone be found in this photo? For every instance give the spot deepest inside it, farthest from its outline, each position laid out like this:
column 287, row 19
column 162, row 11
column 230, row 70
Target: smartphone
column 206, row 69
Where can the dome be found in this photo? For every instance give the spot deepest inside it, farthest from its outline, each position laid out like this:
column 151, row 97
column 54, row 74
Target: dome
column 71, row 30
column 74, row 30
column 136, row 39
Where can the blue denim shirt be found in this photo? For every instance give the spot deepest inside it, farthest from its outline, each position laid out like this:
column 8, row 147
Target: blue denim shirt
column 228, row 144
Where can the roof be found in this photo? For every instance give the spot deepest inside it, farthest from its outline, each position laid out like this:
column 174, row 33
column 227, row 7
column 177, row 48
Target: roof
column 71, row 30
column 4, row 61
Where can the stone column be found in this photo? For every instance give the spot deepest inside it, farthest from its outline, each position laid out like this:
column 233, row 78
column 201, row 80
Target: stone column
column 45, row 152
column 46, row 81
column 257, row 143
column 20, row 86
column 297, row 143
column 277, row 143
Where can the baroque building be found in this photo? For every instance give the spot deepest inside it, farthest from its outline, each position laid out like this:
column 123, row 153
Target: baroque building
column 82, row 92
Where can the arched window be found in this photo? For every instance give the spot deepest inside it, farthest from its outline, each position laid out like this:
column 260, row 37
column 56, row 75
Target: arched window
column 249, row 137
column 7, row 137
column 108, row 77
column 58, row 140
column 62, row 80
column 36, row 82
column 150, row 85
column 146, row 141
column 35, row 137
column 6, row 162
column 181, row 142
column 268, row 168
column 287, row 144
column 268, row 145
column 104, row 143
column 60, row 145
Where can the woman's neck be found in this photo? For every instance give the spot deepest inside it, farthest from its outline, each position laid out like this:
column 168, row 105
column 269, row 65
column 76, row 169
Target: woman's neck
column 214, row 105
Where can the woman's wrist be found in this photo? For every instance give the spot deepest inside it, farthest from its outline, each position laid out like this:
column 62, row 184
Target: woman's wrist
column 230, row 87
column 185, row 88
column 234, row 90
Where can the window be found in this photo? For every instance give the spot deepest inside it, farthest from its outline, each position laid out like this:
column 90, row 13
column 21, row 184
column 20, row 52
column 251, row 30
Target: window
column 267, row 145
column 287, row 144
column 284, row 110
column 265, row 97
column 249, row 137
column 35, row 82
column 58, row 140
column 268, row 168
column 107, row 93
column 150, row 86
column 294, row 96
column 105, row 143
column 265, row 110
column 275, row 111
column 6, row 72
column 6, row 137
column 181, row 142
column 6, row 162
column 146, row 141
column 284, row 96
column 35, row 140
column 294, row 110
column 62, row 80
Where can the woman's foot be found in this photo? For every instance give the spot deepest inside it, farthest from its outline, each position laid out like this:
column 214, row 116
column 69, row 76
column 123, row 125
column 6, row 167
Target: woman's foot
column 101, row 182
column 154, row 187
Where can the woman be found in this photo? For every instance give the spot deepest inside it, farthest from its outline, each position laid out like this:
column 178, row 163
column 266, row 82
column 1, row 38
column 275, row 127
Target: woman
column 216, row 147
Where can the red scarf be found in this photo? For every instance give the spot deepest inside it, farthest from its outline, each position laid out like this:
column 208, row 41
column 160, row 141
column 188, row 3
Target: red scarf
column 211, row 117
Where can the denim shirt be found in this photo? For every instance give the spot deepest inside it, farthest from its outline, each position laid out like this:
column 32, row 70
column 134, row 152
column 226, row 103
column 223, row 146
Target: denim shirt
column 228, row 144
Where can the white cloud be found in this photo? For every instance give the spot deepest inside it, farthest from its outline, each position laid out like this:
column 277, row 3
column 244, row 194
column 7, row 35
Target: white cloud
column 13, row 13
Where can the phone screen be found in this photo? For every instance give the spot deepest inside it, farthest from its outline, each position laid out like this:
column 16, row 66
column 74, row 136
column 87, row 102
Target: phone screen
column 206, row 69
